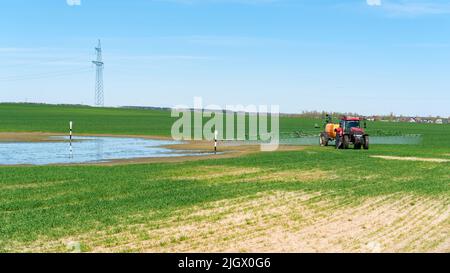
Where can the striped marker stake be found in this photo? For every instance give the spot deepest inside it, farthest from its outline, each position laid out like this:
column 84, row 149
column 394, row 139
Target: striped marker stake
column 216, row 135
column 70, row 139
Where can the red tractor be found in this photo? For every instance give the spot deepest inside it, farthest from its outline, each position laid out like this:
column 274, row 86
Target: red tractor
column 348, row 131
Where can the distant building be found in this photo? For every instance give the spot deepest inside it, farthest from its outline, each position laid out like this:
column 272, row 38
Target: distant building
column 439, row 121
column 412, row 120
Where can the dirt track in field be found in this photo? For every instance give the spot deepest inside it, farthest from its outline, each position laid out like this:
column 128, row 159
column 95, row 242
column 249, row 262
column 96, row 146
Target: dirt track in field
column 28, row 137
column 202, row 147
column 403, row 158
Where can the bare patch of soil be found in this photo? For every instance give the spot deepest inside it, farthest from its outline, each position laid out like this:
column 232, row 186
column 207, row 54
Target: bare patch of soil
column 292, row 176
column 420, row 159
column 28, row 137
column 213, row 172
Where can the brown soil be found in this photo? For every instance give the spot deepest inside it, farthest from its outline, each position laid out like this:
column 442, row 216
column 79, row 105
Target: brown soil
column 292, row 176
column 28, row 137
column 200, row 147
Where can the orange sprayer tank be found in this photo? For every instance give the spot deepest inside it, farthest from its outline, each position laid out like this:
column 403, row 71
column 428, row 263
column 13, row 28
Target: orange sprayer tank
column 330, row 129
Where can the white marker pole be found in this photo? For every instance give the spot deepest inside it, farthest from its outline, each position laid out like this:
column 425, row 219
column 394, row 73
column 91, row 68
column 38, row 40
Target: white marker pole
column 216, row 135
column 70, row 138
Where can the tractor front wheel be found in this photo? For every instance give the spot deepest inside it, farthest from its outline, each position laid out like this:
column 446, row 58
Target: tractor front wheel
column 346, row 142
column 366, row 142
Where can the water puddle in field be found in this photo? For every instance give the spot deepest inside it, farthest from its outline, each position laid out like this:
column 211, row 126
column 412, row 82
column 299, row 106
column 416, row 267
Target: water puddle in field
column 86, row 150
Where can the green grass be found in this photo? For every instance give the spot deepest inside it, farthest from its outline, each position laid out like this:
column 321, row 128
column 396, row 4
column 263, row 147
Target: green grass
column 54, row 118
column 51, row 202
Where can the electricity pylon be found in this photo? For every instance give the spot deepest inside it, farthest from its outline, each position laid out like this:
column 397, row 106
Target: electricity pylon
column 99, row 95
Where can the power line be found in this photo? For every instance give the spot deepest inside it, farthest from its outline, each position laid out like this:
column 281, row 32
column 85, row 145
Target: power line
column 29, row 62
column 45, row 75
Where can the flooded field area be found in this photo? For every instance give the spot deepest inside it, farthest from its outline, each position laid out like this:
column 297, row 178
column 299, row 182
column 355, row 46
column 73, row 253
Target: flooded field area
column 85, row 150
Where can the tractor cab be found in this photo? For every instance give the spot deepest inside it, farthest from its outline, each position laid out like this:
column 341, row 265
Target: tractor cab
column 351, row 125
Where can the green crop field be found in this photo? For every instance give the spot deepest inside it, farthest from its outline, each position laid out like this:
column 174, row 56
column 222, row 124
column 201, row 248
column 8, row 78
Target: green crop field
column 313, row 199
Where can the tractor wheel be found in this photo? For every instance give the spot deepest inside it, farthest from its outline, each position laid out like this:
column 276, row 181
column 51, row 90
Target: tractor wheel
column 346, row 142
column 323, row 140
column 366, row 142
column 338, row 142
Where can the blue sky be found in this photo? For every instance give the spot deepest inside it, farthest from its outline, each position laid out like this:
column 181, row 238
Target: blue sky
column 366, row 56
